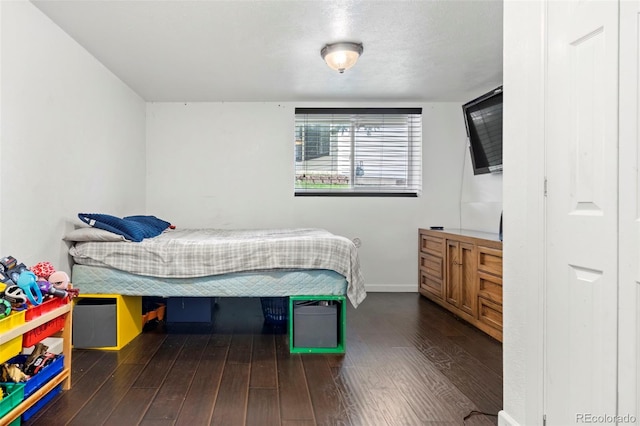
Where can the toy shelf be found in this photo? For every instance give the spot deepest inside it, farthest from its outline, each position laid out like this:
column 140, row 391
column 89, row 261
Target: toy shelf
column 64, row 377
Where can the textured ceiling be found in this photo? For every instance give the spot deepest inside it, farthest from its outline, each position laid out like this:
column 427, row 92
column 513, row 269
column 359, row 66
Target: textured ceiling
column 268, row 50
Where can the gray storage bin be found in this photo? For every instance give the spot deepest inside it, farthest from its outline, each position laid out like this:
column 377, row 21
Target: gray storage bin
column 94, row 323
column 315, row 324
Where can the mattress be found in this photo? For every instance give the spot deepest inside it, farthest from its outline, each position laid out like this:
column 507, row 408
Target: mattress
column 197, row 253
column 273, row 283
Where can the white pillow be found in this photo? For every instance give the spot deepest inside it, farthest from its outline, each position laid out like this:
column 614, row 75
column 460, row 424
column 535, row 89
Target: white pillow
column 92, row 234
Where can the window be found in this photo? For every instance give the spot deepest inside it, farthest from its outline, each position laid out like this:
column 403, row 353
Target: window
column 358, row 151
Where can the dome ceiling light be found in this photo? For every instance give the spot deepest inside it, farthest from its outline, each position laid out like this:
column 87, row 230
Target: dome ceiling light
column 341, row 56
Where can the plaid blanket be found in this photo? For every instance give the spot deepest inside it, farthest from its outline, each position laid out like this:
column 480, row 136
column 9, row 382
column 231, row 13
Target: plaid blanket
column 202, row 252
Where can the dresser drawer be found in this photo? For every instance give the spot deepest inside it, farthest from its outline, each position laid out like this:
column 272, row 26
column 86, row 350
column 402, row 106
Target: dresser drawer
column 490, row 313
column 490, row 260
column 432, row 244
column 431, row 264
column 431, row 285
column 490, row 287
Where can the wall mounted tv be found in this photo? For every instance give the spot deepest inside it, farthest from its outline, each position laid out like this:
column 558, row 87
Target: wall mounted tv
column 483, row 119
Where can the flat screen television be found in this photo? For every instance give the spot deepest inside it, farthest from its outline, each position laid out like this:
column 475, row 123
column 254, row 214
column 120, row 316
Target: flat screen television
column 483, row 120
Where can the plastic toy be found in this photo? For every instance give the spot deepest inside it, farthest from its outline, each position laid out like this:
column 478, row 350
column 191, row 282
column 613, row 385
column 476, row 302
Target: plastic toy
column 8, row 262
column 47, row 288
column 59, row 280
column 5, row 308
column 10, row 270
column 12, row 373
column 15, row 295
column 15, row 273
column 27, row 282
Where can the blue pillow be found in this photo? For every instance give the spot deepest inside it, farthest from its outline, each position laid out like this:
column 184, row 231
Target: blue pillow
column 134, row 230
column 152, row 222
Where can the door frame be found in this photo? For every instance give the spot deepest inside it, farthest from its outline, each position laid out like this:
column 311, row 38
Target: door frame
column 629, row 212
column 524, row 50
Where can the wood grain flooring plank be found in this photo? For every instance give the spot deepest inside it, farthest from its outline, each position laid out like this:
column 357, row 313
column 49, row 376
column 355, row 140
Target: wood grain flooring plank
column 295, row 401
column 447, row 323
column 168, row 401
column 429, row 393
column 483, row 348
column 328, row 406
column 262, row 407
column 231, row 404
column 394, row 408
column 82, row 361
column 141, row 349
column 263, row 362
column 481, row 420
column 335, row 360
column 358, row 414
column 373, row 402
column 477, row 382
column 108, row 396
column 357, row 349
column 131, row 408
column 240, row 349
column 471, row 375
column 159, row 365
column 156, row 422
column 197, row 407
column 217, row 339
column 298, row 423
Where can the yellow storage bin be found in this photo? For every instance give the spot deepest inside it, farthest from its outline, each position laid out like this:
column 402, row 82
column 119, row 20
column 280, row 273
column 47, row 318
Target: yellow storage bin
column 10, row 346
column 128, row 314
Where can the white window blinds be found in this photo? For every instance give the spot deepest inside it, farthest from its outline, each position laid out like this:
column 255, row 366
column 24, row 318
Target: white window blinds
column 358, row 151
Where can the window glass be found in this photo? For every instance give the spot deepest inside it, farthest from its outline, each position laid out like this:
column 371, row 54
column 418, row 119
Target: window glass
column 358, row 151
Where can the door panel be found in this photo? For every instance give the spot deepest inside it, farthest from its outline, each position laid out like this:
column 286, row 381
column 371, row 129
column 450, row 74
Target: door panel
column 582, row 214
column 468, row 290
column 453, row 277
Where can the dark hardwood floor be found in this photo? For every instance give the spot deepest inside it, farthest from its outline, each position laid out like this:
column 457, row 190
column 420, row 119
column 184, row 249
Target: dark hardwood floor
column 408, row 362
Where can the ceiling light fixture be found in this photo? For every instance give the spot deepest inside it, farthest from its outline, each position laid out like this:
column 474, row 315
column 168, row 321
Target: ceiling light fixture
column 341, row 56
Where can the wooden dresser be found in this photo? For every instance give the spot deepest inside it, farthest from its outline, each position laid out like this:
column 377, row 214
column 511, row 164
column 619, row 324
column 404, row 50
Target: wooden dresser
column 461, row 271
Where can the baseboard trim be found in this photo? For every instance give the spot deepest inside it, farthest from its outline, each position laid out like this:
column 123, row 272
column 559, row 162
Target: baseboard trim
column 506, row 420
column 391, row 288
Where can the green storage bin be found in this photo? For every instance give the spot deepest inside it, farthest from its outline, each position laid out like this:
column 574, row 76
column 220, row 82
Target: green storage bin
column 15, row 395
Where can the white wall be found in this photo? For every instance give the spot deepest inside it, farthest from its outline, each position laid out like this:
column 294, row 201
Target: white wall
column 480, row 199
column 230, row 165
column 71, row 139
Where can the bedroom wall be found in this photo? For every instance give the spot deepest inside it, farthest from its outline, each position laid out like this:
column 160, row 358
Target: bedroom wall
column 72, row 137
column 480, row 199
column 229, row 165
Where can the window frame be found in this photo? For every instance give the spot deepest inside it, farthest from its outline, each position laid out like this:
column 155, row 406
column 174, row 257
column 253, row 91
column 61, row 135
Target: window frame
column 413, row 141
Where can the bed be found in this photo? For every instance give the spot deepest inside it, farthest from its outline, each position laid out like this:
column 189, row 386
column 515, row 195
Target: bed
column 221, row 263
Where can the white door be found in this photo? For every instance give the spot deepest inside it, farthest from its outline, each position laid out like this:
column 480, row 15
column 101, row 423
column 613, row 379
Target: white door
column 581, row 148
